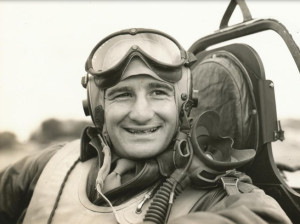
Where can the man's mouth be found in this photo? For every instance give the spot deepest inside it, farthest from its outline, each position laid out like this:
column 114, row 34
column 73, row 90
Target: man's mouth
column 142, row 131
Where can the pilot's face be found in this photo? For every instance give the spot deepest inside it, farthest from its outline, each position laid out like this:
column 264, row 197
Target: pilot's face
column 140, row 116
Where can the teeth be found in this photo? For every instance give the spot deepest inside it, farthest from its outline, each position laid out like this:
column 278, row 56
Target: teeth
column 134, row 131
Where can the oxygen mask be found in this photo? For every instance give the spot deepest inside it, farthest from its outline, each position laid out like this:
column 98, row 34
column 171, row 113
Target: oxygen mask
column 215, row 157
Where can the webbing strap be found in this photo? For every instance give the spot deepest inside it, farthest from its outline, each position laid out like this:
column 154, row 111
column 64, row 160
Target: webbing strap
column 233, row 185
column 245, row 187
column 230, row 185
column 231, row 7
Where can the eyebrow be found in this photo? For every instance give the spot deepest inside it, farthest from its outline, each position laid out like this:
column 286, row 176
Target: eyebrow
column 154, row 85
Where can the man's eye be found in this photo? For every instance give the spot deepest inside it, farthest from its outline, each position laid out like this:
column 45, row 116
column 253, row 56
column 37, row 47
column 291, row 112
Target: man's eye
column 159, row 93
column 122, row 96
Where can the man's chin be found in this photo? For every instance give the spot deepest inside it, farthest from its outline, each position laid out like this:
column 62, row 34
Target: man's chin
column 142, row 151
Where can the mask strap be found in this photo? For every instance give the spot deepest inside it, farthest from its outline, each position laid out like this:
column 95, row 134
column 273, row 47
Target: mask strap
column 103, row 172
column 185, row 126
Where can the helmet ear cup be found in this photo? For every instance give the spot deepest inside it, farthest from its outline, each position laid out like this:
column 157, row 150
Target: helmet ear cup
column 86, row 102
column 86, row 109
column 99, row 117
column 93, row 105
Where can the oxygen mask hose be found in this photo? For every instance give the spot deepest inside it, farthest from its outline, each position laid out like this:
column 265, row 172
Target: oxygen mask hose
column 183, row 175
column 162, row 202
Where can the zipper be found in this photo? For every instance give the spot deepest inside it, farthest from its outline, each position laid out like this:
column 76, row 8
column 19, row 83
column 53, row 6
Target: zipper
column 216, row 194
column 147, row 196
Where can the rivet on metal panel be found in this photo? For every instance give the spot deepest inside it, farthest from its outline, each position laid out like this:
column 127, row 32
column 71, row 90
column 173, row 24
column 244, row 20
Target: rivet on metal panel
column 133, row 31
column 183, row 96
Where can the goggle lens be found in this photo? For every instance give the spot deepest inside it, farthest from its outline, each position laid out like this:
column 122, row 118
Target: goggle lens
column 156, row 46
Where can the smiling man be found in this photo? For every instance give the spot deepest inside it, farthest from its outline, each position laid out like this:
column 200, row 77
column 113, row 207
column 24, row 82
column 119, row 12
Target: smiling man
column 140, row 116
column 136, row 164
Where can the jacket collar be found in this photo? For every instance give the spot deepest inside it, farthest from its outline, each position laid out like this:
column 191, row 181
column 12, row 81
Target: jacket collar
column 91, row 147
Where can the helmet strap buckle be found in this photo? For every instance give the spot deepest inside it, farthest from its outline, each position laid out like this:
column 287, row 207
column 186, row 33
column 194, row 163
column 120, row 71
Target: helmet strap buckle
column 185, row 126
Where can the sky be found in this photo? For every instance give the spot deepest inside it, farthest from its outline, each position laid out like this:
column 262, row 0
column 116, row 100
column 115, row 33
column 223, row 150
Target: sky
column 44, row 46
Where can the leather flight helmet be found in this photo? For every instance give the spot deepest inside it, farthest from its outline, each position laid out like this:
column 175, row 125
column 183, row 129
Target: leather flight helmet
column 150, row 52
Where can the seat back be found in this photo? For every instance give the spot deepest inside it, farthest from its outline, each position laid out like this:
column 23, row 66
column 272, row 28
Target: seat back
column 231, row 81
column 224, row 86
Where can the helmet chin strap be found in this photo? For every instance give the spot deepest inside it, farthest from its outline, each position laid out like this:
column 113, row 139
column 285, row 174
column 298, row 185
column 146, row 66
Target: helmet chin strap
column 100, row 125
column 185, row 125
column 182, row 149
column 106, row 137
column 99, row 117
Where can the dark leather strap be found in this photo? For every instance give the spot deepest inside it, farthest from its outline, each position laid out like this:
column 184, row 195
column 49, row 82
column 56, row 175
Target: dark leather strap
column 230, row 9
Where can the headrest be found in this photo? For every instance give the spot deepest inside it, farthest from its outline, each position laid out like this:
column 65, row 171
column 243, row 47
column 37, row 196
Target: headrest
column 224, row 86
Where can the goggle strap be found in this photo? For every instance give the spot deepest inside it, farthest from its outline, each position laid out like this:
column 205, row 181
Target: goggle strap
column 191, row 58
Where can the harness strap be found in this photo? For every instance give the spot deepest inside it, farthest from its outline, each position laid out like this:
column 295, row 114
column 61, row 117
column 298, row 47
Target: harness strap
column 188, row 198
column 51, row 178
column 246, row 187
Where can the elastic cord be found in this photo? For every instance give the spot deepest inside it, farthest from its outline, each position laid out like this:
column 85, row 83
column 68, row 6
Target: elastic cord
column 109, row 203
column 60, row 191
column 104, row 170
column 102, row 174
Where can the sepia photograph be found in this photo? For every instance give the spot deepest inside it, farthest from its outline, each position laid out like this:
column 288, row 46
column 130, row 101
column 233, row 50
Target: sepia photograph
column 149, row 111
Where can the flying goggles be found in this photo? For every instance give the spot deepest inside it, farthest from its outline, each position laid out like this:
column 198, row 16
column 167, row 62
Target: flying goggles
column 159, row 51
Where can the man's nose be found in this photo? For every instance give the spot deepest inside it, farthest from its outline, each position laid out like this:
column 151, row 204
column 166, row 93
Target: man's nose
column 141, row 111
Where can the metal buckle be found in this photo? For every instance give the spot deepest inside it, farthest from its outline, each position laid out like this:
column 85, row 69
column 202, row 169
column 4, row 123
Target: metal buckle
column 230, row 185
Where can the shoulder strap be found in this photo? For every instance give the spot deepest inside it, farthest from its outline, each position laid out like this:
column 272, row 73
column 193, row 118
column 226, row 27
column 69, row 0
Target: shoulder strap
column 186, row 201
column 49, row 183
column 232, row 185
